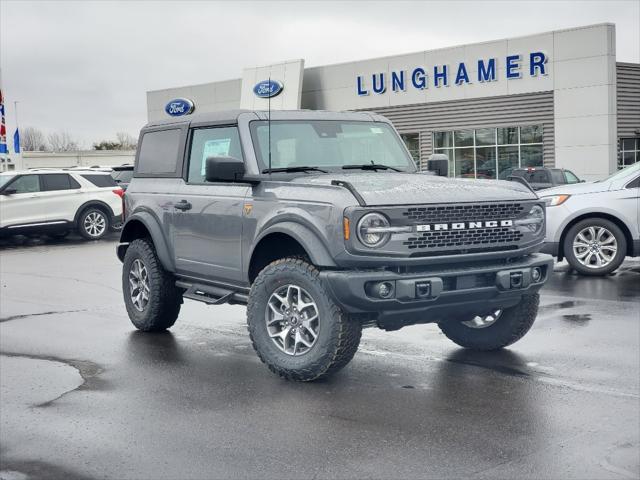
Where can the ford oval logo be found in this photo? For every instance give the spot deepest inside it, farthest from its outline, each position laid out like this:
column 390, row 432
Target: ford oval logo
column 268, row 88
column 179, row 107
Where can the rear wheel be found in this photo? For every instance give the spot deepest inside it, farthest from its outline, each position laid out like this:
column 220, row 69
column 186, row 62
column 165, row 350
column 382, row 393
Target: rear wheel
column 493, row 330
column 295, row 327
column 595, row 246
column 150, row 295
column 93, row 224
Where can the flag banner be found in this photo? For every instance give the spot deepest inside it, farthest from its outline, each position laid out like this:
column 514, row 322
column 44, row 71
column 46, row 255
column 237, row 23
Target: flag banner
column 3, row 127
column 16, row 141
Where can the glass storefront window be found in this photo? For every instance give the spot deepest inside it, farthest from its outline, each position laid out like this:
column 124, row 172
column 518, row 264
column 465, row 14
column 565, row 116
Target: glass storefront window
column 508, row 136
column 485, row 136
column 629, row 152
column 463, row 138
column 464, row 163
column 531, row 156
column 443, row 140
column 531, row 134
column 486, row 162
column 493, row 152
column 508, row 159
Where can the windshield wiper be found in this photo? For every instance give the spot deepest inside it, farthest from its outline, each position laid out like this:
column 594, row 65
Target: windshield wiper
column 370, row 166
column 293, row 169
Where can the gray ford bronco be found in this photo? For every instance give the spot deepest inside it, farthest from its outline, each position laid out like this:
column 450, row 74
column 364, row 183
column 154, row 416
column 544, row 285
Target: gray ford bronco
column 321, row 225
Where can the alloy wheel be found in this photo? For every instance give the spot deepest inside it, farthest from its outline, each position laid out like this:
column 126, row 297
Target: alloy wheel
column 95, row 224
column 595, row 247
column 139, row 285
column 292, row 319
column 483, row 321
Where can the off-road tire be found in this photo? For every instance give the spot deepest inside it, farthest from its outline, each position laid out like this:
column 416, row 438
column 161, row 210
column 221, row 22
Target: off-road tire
column 567, row 246
column 511, row 326
column 81, row 223
column 338, row 337
column 165, row 298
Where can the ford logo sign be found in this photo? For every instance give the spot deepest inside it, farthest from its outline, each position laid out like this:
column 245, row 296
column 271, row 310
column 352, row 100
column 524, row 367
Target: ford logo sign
column 268, row 88
column 179, row 107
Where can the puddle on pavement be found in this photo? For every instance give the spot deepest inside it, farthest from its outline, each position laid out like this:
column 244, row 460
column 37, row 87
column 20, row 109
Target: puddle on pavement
column 579, row 319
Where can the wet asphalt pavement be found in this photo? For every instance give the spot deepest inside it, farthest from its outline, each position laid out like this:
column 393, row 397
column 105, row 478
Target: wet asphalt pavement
column 83, row 395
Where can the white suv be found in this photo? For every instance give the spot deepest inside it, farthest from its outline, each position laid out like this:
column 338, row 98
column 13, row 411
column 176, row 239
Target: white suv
column 58, row 201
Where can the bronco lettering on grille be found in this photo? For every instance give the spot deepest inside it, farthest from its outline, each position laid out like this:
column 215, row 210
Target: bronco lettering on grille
column 435, row 227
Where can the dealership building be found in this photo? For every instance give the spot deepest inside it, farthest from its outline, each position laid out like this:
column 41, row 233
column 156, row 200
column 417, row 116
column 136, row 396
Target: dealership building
column 558, row 99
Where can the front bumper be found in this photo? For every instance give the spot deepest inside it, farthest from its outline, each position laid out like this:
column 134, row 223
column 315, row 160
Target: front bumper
column 436, row 293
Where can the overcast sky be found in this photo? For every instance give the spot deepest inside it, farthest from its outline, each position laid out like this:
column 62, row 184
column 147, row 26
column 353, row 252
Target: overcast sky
column 84, row 67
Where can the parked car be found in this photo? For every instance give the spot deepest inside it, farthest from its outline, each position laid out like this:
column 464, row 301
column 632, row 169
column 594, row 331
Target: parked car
column 56, row 201
column 122, row 175
column 595, row 225
column 540, row 178
column 320, row 223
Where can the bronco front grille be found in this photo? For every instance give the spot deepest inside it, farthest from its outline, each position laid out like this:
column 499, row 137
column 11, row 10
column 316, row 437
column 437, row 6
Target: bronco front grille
column 460, row 213
column 463, row 239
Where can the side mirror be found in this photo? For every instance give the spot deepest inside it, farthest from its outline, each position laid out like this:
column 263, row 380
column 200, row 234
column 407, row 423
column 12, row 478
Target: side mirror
column 224, row 169
column 8, row 191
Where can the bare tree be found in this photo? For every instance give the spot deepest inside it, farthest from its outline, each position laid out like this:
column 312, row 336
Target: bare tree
column 62, row 142
column 32, row 140
column 126, row 141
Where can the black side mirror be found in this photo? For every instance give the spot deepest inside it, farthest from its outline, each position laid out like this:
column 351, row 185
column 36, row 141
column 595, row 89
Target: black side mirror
column 8, row 191
column 224, row 169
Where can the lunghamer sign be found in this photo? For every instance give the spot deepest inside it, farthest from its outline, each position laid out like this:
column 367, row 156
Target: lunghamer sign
column 444, row 75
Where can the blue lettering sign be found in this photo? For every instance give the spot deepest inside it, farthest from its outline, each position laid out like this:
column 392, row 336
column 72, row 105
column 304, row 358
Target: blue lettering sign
column 461, row 76
column 379, row 87
column 487, row 73
column 361, row 90
column 513, row 66
column 397, row 81
column 437, row 76
column 419, row 78
column 537, row 63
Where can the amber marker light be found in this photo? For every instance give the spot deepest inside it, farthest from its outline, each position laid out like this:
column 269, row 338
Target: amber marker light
column 346, row 228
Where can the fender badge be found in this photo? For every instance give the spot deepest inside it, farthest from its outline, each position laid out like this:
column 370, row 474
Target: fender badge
column 247, row 208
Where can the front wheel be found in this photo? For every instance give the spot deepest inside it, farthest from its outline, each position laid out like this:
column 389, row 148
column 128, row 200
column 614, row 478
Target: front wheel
column 494, row 330
column 296, row 328
column 595, row 246
column 150, row 294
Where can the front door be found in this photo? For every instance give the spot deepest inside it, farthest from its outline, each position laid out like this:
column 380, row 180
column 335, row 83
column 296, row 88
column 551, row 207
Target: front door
column 208, row 219
column 26, row 204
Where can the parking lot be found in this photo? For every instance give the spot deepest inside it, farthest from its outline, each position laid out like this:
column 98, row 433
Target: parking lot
column 86, row 396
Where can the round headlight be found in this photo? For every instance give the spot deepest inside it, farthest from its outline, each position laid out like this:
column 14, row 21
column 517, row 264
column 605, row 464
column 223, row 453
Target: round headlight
column 368, row 232
column 536, row 214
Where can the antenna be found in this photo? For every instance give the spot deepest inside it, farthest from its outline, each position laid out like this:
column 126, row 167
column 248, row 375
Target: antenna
column 269, row 122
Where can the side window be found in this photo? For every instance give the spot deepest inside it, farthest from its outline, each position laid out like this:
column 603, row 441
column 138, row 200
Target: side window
column 57, row 181
column 25, row 184
column 634, row 183
column 539, row 176
column 571, row 177
column 101, row 180
column 159, row 153
column 211, row 142
column 558, row 177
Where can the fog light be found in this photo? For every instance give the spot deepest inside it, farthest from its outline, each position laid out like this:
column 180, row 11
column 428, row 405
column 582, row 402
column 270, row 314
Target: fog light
column 385, row 290
column 536, row 274
column 516, row 279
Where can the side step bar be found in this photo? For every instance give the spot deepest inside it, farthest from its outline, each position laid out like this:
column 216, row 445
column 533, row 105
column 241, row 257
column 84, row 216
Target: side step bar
column 212, row 295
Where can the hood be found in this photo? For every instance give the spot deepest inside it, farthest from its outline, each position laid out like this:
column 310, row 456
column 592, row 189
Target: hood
column 387, row 188
column 576, row 189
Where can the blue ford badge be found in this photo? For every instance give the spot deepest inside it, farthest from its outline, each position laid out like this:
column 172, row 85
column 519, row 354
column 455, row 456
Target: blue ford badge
column 268, row 88
column 179, row 106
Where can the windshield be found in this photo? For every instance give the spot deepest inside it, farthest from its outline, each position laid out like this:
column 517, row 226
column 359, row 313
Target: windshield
column 329, row 145
column 4, row 179
column 624, row 173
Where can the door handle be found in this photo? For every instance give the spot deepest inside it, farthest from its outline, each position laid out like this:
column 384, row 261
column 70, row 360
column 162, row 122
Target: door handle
column 182, row 205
